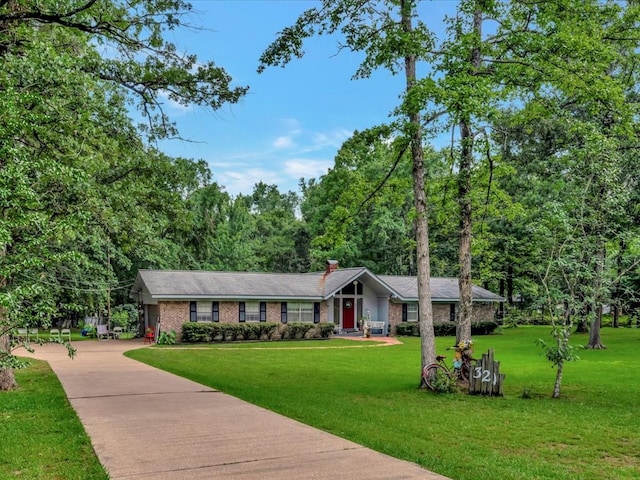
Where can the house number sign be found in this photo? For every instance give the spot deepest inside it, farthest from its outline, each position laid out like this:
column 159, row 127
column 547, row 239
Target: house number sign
column 486, row 378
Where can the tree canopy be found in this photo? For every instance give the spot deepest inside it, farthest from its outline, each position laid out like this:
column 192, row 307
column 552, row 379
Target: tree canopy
column 536, row 195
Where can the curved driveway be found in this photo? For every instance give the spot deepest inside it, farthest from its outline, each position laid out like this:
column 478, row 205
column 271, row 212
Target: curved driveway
column 145, row 423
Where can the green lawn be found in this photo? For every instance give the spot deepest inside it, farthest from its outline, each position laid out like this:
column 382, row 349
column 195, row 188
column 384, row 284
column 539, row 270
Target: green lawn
column 369, row 395
column 41, row 436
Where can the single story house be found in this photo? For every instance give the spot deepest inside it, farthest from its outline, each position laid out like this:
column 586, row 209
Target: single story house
column 340, row 296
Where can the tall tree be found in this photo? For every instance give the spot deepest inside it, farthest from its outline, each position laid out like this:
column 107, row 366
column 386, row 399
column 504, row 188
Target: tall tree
column 385, row 31
column 280, row 246
column 360, row 211
column 65, row 123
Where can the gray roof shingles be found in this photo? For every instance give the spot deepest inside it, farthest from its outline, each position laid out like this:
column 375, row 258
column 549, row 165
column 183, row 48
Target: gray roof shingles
column 441, row 289
column 172, row 283
column 317, row 285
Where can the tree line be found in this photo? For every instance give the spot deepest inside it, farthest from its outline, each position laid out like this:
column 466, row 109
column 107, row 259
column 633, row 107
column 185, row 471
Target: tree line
column 536, row 195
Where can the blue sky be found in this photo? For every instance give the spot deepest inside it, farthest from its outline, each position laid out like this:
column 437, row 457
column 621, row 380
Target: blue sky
column 294, row 119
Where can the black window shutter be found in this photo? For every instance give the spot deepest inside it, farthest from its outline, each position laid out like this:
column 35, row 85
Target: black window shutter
column 404, row 312
column 241, row 311
column 283, row 312
column 193, row 312
column 316, row 312
column 263, row 311
column 215, row 311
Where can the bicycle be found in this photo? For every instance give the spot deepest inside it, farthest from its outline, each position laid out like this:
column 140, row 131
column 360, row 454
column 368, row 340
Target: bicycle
column 433, row 373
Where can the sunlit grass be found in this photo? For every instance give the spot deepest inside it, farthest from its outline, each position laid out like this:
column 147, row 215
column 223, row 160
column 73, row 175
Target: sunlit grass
column 370, row 395
column 41, row 436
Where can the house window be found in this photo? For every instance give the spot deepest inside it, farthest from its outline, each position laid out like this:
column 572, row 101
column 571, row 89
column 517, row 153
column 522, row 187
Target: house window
column 452, row 312
column 204, row 312
column 412, row 312
column 300, row 312
column 252, row 311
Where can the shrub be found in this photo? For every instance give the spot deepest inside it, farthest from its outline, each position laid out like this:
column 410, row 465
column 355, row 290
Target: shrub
column 483, row 328
column 167, row 338
column 412, row 329
column 193, row 332
column 515, row 317
column 446, row 329
column 407, row 329
column 326, row 329
column 443, row 383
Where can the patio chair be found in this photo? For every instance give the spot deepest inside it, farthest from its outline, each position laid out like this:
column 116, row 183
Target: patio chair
column 54, row 335
column 149, row 335
column 101, row 331
column 65, row 332
column 117, row 331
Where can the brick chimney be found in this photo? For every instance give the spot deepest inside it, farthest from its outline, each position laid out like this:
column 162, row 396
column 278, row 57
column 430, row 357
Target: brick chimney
column 332, row 266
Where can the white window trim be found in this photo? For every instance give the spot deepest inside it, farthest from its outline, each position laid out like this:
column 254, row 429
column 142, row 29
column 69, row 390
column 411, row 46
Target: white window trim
column 412, row 312
column 296, row 312
column 251, row 311
column 204, row 312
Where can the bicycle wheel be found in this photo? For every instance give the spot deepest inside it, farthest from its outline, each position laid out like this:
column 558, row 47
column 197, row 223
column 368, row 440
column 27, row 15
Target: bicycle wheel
column 433, row 374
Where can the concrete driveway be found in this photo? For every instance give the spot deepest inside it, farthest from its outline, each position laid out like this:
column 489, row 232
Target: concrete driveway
column 148, row 424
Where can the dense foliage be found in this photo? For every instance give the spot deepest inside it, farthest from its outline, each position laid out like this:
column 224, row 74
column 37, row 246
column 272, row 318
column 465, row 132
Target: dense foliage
column 542, row 170
column 265, row 331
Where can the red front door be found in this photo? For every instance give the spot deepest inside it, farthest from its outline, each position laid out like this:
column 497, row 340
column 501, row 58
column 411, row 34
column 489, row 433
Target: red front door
column 348, row 313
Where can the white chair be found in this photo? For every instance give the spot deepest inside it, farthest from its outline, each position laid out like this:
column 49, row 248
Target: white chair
column 54, row 335
column 65, row 332
column 101, row 331
column 117, row 331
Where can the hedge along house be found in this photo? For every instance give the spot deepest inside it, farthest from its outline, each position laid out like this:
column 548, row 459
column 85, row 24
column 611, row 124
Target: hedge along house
column 342, row 296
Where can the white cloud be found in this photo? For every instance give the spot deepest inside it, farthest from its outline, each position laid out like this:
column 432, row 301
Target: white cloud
column 242, row 182
column 333, row 139
column 177, row 108
column 283, row 142
column 287, row 140
column 298, row 168
column 308, row 155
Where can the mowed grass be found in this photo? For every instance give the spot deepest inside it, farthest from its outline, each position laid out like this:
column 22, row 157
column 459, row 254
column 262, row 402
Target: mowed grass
column 41, row 436
column 369, row 395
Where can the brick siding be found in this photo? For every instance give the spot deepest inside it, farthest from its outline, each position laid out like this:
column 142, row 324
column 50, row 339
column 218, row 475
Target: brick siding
column 172, row 316
column 482, row 312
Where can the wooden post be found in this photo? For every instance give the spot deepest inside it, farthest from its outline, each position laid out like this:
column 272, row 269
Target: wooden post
column 485, row 377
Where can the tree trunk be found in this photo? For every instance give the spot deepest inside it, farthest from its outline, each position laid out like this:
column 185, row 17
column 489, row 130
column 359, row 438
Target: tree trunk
column 558, row 382
column 463, row 328
column 7, row 379
column 617, row 290
column 510, row 285
column 582, row 325
column 501, row 304
column 425, row 312
column 595, row 341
